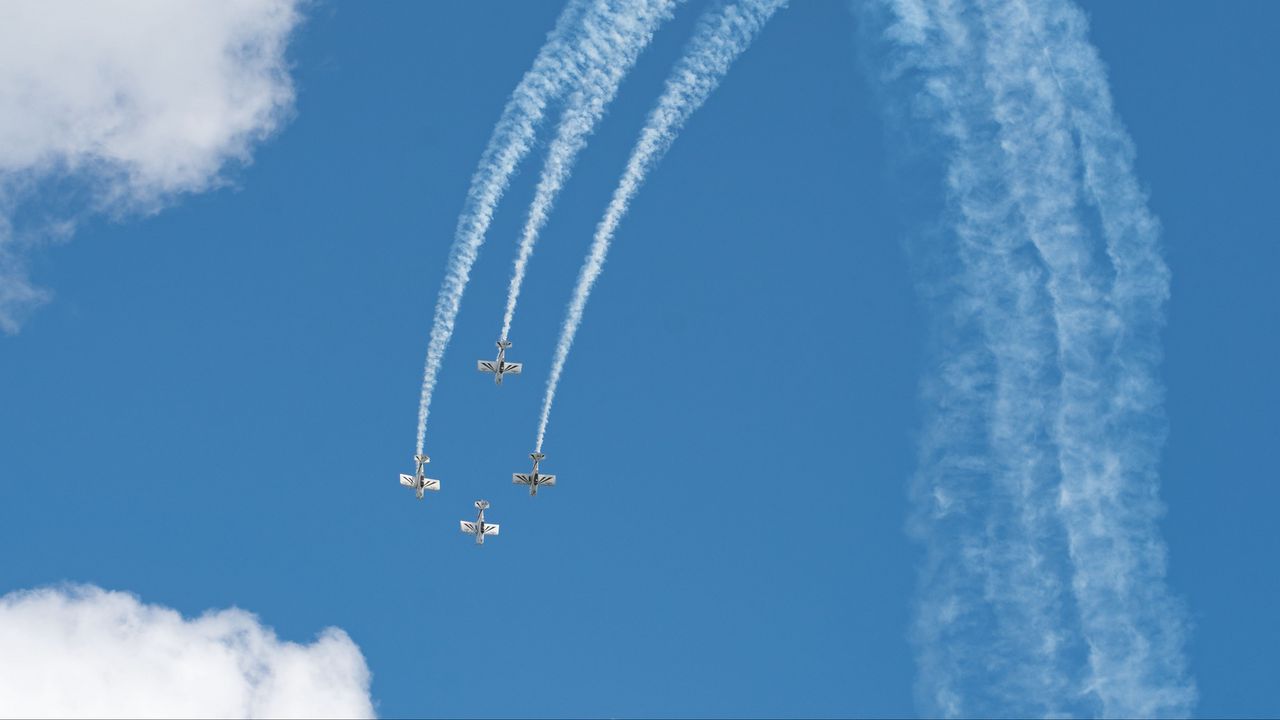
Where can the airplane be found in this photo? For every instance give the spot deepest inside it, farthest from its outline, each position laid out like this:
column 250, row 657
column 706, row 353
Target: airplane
column 479, row 528
column 534, row 479
column 419, row 481
column 500, row 366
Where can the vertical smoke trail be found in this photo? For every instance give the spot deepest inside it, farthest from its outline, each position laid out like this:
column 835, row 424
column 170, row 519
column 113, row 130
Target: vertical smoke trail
column 992, row 616
column 1024, row 99
column 615, row 50
column 554, row 69
column 720, row 37
column 1112, row 422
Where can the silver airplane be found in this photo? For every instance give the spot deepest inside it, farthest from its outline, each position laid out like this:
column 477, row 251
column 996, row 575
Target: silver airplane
column 419, row 480
column 479, row 528
column 500, row 366
column 534, row 479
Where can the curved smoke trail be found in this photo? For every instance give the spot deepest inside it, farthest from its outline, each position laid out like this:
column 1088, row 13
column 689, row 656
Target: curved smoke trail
column 558, row 66
column 508, row 144
column 1041, row 458
column 720, row 37
column 615, row 51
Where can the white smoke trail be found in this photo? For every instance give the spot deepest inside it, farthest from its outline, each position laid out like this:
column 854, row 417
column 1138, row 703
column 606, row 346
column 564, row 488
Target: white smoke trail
column 1112, row 420
column 991, row 620
column 997, row 85
column 720, row 37
column 554, row 69
column 614, row 51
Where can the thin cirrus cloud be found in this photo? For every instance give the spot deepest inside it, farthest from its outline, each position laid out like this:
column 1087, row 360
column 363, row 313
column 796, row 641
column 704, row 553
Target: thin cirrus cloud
column 87, row 652
column 139, row 102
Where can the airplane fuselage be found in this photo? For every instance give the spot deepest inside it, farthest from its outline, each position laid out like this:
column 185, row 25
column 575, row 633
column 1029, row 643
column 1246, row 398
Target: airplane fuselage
column 501, row 365
column 420, row 481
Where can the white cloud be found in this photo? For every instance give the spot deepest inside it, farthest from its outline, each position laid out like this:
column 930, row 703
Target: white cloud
column 143, row 99
column 85, row 651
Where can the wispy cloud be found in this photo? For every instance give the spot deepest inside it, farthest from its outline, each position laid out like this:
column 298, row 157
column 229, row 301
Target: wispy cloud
column 86, row 652
column 91, row 92
column 1043, row 592
column 721, row 36
column 993, row 627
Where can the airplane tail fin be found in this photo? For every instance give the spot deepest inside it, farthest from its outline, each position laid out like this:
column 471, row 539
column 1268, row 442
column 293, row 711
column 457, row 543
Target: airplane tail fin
column 537, row 456
column 504, row 344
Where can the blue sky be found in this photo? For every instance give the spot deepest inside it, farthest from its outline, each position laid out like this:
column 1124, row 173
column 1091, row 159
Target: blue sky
column 212, row 409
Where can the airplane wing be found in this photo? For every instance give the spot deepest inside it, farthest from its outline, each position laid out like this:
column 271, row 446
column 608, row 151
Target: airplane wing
column 520, row 479
column 468, row 527
column 486, row 366
column 406, row 480
column 512, row 368
column 490, row 529
column 547, row 480
column 432, row 485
